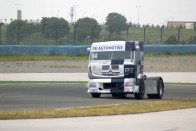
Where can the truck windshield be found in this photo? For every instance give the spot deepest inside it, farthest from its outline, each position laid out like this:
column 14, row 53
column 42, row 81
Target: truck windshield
column 111, row 55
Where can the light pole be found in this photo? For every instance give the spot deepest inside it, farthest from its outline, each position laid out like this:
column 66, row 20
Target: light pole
column 87, row 39
column 75, row 6
column 92, row 33
column 179, row 28
column 145, row 32
column 0, row 31
column 73, row 13
column 162, row 33
column 138, row 15
column 128, row 30
column 172, row 21
column 75, row 26
column 18, row 33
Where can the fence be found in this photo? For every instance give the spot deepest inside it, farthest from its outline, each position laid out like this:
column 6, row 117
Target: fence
column 150, row 35
column 81, row 50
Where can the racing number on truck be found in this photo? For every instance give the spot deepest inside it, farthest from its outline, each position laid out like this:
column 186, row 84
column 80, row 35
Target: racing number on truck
column 129, row 71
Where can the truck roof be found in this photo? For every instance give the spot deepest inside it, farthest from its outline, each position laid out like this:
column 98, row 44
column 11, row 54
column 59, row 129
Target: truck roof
column 110, row 43
column 116, row 46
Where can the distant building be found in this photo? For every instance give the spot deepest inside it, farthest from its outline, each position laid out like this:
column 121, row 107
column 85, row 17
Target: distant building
column 183, row 24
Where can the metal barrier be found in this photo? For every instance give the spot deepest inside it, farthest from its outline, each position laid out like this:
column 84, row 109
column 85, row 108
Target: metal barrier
column 81, row 50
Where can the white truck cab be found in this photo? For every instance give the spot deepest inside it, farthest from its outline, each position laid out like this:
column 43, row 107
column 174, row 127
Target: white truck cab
column 116, row 67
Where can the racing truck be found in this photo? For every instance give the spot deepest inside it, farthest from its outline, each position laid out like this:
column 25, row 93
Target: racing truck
column 116, row 68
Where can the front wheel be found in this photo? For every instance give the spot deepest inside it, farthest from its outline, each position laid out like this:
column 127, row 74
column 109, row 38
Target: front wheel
column 141, row 93
column 95, row 95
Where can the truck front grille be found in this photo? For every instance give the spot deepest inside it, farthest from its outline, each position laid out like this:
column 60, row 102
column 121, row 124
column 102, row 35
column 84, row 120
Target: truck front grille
column 113, row 85
column 105, row 67
column 110, row 73
column 113, row 67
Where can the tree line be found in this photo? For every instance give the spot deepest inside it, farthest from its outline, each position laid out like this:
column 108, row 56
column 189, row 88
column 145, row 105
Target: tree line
column 58, row 31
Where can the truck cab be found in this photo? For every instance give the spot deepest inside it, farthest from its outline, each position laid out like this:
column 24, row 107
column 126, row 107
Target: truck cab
column 116, row 67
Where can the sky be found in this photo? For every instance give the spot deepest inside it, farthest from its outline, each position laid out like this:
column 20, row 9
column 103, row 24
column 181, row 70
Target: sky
column 156, row 12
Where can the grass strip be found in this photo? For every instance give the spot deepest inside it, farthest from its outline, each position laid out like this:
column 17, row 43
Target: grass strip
column 41, row 58
column 121, row 109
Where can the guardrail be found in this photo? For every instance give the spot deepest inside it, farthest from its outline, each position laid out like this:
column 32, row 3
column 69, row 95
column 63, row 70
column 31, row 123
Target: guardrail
column 170, row 49
column 80, row 50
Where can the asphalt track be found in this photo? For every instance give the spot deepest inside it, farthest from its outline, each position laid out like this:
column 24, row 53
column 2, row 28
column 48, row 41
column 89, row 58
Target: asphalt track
column 21, row 97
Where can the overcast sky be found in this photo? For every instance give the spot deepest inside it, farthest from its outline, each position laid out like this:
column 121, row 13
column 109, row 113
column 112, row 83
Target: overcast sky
column 150, row 11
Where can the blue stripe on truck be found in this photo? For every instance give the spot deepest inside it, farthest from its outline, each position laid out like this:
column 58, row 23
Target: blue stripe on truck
column 129, row 46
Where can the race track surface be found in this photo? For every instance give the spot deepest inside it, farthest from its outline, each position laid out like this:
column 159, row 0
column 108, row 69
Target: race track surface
column 20, row 97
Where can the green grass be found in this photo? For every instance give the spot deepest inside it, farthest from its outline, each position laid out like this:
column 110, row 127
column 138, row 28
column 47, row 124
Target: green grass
column 41, row 58
column 121, row 109
column 135, row 34
column 153, row 35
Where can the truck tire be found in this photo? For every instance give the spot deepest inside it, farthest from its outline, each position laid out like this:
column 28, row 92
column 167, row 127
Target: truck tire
column 95, row 95
column 160, row 90
column 141, row 93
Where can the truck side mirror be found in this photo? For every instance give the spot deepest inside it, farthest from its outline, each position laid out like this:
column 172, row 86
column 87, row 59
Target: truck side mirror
column 145, row 77
column 137, row 47
column 88, row 49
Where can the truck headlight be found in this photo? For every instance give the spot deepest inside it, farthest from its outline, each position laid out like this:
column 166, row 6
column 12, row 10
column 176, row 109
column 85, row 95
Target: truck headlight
column 92, row 85
column 128, row 84
column 128, row 87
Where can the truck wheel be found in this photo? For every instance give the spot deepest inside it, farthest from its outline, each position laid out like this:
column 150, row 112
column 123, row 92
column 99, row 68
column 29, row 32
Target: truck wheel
column 140, row 95
column 95, row 95
column 160, row 89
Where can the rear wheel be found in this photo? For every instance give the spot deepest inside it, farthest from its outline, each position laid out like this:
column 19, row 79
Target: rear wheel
column 140, row 95
column 160, row 90
column 95, row 95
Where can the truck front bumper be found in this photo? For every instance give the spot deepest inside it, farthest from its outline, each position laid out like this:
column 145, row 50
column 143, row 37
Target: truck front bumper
column 110, row 86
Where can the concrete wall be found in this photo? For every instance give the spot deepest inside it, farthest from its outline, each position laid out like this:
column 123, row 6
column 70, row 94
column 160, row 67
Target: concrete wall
column 80, row 50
